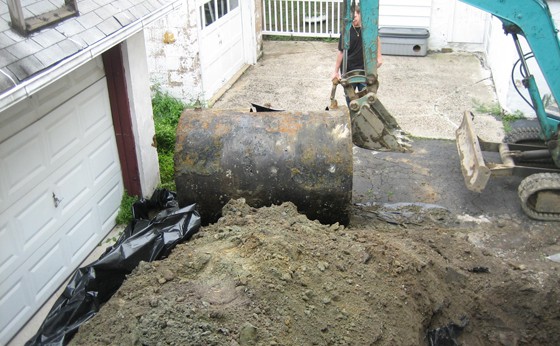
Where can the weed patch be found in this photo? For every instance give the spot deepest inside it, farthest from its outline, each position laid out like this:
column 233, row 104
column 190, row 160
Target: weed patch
column 509, row 118
column 125, row 211
column 492, row 109
column 167, row 111
column 497, row 111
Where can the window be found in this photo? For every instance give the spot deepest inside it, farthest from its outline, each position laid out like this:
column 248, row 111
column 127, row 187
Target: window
column 222, row 8
column 213, row 10
column 33, row 15
column 209, row 10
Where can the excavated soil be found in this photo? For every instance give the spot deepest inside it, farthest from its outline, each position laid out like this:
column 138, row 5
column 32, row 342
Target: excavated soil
column 405, row 275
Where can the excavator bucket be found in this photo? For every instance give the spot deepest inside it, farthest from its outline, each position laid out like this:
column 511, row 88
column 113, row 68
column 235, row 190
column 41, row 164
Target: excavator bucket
column 373, row 127
column 475, row 171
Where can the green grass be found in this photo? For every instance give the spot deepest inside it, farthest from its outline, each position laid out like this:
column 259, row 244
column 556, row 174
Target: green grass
column 497, row 111
column 492, row 108
column 167, row 111
column 125, row 211
column 167, row 171
column 509, row 118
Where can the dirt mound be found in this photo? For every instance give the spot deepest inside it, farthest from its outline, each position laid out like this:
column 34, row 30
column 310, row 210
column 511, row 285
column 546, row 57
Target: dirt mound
column 270, row 276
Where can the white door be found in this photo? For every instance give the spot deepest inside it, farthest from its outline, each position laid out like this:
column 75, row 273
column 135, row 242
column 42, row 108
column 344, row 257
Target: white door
column 468, row 24
column 60, row 189
column 221, row 43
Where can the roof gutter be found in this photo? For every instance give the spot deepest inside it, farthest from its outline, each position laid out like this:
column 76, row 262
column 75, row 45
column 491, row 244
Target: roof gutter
column 71, row 63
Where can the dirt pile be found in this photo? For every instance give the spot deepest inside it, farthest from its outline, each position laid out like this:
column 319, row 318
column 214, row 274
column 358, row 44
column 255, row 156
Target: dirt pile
column 270, row 276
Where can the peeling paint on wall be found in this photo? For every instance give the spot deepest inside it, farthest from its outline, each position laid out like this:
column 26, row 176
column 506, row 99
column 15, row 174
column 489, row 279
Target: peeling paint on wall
column 174, row 62
column 173, row 67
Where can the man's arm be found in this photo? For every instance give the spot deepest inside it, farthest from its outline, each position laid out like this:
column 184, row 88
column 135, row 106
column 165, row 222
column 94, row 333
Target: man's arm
column 336, row 72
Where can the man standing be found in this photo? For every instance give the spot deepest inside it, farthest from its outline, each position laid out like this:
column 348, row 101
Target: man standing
column 355, row 51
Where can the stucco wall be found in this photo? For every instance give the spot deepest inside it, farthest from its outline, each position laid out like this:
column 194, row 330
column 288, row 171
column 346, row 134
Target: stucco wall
column 173, row 53
column 174, row 49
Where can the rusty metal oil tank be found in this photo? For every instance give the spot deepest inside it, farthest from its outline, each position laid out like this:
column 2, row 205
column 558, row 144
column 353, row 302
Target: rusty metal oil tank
column 267, row 158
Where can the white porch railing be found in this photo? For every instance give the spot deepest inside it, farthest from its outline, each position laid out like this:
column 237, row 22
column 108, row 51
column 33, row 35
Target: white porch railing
column 312, row 18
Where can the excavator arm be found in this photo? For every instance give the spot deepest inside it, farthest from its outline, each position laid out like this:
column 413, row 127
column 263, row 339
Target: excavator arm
column 373, row 126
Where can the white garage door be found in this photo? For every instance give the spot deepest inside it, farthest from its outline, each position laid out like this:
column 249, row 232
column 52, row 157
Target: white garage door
column 60, row 189
column 221, row 43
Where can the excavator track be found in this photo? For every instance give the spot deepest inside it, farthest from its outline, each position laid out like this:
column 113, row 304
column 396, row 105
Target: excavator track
column 525, row 135
column 529, row 136
column 540, row 196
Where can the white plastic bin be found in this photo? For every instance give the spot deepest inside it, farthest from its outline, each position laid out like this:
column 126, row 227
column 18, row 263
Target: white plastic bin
column 404, row 41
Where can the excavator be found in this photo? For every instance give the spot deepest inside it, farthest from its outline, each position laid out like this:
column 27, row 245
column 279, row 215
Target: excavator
column 532, row 153
column 306, row 157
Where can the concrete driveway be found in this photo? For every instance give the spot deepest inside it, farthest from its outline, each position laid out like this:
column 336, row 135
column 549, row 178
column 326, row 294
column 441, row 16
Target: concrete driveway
column 428, row 97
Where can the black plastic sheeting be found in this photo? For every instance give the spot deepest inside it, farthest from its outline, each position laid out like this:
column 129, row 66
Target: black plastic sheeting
column 143, row 239
column 258, row 108
column 447, row 335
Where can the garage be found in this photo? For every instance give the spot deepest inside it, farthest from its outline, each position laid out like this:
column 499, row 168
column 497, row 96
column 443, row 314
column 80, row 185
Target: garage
column 221, row 43
column 60, row 189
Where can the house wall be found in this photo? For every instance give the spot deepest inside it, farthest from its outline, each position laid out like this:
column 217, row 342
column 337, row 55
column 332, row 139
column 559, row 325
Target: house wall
column 136, row 69
column 252, row 30
column 410, row 13
column 174, row 49
column 173, row 53
column 440, row 16
column 502, row 55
